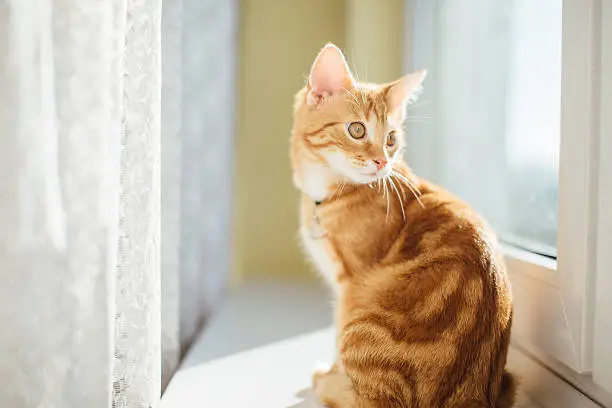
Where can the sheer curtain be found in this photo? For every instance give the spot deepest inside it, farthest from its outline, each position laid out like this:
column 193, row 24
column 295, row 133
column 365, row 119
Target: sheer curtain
column 115, row 158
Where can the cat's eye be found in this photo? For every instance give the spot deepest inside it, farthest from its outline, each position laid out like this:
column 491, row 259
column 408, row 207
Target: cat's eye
column 357, row 130
column 391, row 137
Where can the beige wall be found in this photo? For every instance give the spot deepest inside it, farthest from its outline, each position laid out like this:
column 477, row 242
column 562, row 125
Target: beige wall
column 374, row 35
column 279, row 40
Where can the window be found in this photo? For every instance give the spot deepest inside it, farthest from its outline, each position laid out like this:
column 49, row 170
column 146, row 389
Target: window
column 513, row 119
column 493, row 98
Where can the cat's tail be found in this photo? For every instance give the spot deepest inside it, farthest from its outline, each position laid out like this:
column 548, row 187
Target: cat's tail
column 507, row 392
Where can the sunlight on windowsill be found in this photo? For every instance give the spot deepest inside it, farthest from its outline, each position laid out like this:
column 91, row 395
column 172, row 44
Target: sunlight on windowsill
column 260, row 350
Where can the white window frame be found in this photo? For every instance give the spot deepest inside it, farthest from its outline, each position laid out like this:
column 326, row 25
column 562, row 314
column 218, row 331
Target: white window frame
column 602, row 342
column 562, row 307
column 554, row 303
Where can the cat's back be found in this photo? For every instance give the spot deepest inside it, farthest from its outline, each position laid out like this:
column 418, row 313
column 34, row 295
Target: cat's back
column 444, row 270
column 446, row 251
column 445, row 228
column 443, row 298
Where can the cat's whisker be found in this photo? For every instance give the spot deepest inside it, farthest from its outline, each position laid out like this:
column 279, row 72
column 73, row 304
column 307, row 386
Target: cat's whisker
column 354, row 68
column 357, row 78
column 342, row 188
column 339, row 189
column 420, row 117
column 419, row 112
column 414, row 193
column 425, row 122
column 417, row 104
column 405, row 180
column 355, row 101
column 362, row 94
column 353, row 95
column 411, row 185
column 385, row 184
column 399, row 175
column 412, row 189
column 355, row 104
column 399, row 197
column 398, row 153
column 385, row 189
column 416, row 196
column 336, row 190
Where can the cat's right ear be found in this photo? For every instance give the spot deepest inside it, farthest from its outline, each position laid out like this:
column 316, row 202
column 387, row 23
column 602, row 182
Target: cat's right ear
column 329, row 75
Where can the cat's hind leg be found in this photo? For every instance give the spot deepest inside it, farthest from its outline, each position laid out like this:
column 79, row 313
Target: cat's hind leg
column 333, row 388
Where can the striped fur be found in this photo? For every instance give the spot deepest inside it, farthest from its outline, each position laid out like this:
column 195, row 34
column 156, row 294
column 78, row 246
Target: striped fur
column 424, row 307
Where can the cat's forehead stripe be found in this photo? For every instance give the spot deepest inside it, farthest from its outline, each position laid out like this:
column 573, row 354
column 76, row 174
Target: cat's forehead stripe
column 375, row 103
column 320, row 129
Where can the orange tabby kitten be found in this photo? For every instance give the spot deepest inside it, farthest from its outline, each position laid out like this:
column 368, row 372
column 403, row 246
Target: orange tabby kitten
column 424, row 306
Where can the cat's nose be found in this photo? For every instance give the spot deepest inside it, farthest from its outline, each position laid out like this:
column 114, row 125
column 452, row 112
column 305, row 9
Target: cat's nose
column 380, row 163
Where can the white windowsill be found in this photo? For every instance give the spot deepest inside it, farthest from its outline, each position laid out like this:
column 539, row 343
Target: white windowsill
column 262, row 347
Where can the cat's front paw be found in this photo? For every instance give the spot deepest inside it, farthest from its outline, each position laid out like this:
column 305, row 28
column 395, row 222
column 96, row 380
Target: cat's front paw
column 321, row 369
column 332, row 387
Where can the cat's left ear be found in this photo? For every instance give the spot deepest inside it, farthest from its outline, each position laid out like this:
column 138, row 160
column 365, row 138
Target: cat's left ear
column 329, row 75
column 400, row 92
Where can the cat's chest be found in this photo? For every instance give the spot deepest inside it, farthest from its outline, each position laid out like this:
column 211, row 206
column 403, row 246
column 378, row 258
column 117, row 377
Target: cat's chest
column 319, row 248
column 342, row 242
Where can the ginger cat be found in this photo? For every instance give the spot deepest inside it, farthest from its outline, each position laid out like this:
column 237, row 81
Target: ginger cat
column 424, row 307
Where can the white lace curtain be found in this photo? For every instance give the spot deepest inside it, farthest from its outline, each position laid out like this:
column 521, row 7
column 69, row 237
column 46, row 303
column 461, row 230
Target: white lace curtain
column 115, row 138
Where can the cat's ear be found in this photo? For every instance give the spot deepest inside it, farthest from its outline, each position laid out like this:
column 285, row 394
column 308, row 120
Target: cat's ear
column 400, row 92
column 329, row 75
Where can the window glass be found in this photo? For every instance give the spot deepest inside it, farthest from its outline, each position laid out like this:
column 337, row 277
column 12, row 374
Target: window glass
column 487, row 125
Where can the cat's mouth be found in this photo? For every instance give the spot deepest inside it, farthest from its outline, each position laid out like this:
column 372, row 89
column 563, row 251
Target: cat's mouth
column 374, row 175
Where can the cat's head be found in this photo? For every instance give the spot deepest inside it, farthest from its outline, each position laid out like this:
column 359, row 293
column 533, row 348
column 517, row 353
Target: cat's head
column 353, row 129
